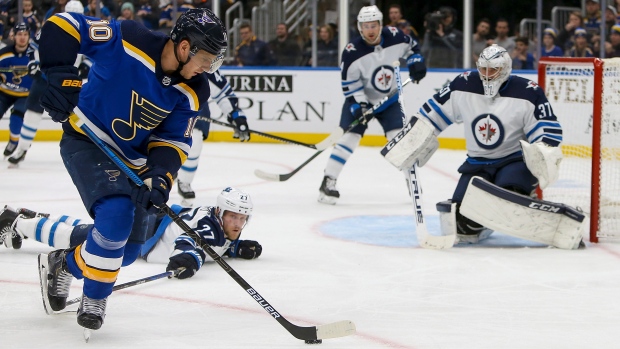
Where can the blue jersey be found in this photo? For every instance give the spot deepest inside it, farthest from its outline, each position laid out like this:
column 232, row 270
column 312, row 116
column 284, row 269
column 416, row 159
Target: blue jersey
column 129, row 102
column 14, row 81
column 494, row 126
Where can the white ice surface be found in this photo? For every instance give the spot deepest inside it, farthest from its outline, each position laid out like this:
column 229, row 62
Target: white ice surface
column 498, row 295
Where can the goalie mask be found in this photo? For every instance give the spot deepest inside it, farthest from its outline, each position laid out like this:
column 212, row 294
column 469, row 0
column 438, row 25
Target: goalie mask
column 204, row 31
column 369, row 14
column 234, row 200
column 494, row 66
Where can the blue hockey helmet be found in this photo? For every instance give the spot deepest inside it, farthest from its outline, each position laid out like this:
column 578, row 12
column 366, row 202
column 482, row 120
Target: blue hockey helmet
column 204, row 31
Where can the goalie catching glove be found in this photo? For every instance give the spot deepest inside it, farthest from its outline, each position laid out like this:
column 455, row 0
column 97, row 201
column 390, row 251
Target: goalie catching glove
column 62, row 93
column 415, row 143
column 543, row 161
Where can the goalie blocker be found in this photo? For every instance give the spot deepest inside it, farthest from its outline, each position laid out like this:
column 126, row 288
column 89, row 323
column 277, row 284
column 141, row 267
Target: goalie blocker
column 415, row 143
column 518, row 215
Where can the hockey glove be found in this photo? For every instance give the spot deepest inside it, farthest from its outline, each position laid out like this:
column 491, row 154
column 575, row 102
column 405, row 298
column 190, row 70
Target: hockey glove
column 242, row 131
column 417, row 68
column 83, row 70
column 246, row 249
column 358, row 109
column 184, row 262
column 154, row 192
column 34, row 68
column 62, row 93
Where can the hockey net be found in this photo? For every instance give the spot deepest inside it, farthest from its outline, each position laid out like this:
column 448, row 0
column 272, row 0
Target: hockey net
column 585, row 95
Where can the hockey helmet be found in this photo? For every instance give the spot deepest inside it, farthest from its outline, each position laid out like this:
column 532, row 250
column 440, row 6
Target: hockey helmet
column 235, row 200
column 494, row 66
column 204, row 31
column 369, row 14
column 20, row 27
column 74, row 6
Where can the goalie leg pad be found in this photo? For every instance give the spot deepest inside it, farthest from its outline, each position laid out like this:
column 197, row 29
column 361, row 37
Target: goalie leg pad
column 416, row 142
column 521, row 216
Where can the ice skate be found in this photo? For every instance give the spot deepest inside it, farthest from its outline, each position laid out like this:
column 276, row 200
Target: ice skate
column 328, row 194
column 10, row 148
column 91, row 313
column 187, row 193
column 8, row 236
column 472, row 233
column 55, row 280
column 17, row 157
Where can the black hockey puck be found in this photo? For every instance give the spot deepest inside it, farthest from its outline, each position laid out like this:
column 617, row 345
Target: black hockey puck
column 313, row 341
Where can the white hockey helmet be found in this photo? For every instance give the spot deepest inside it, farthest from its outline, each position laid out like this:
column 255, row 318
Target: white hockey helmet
column 235, row 200
column 369, row 14
column 74, row 6
column 494, row 66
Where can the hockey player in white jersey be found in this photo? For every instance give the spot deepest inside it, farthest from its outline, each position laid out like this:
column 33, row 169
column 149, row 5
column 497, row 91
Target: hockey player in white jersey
column 513, row 145
column 220, row 226
column 223, row 94
column 367, row 77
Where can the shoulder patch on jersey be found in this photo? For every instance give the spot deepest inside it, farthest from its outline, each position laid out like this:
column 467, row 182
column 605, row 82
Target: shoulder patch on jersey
column 465, row 75
column 393, row 30
column 350, row 47
column 532, row 85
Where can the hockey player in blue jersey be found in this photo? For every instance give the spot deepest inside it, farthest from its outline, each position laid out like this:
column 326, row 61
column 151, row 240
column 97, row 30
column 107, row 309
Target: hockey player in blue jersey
column 513, row 145
column 219, row 226
column 143, row 94
column 223, row 94
column 368, row 76
column 15, row 83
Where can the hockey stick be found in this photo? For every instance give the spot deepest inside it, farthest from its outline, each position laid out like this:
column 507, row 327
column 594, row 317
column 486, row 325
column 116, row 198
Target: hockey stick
column 415, row 188
column 14, row 68
column 266, row 135
column 327, row 142
column 312, row 333
column 168, row 274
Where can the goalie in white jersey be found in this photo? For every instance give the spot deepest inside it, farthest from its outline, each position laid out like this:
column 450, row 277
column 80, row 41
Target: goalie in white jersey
column 219, row 226
column 513, row 145
column 367, row 77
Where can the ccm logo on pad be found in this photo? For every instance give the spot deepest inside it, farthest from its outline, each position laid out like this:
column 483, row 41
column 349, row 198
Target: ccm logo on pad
column 72, row 83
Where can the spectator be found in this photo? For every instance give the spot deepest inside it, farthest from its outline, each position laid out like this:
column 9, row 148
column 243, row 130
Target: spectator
column 502, row 29
column 443, row 44
column 580, row 48
column 481, row 39
column 91, row 10
column 613, row 48
column 549, row 48
column 408, row 29
column 565, row 37
column 145, row 13
column 165, row 18
column 521, row 57
column 396, row 14
column 592, row 22
column 285, row 50
column 610, row 21
column 326, row 48
column 127, row 12
column 29, row 16
column 251, row 51
column 58, row 7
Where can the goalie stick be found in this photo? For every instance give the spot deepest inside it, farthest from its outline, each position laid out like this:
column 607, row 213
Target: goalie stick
column 266, row 135
column 168, row 274
column 415, row 188
column 327, row 142
column 331, row 330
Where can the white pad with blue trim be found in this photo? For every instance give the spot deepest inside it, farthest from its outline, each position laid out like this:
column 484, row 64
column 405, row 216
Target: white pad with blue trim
column 543, row 161
column 518, row 215
column 416, row 142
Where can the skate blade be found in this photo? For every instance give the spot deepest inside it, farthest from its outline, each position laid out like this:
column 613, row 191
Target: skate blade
column 43, row 267
column 187, row 202
column 87, row 332
column 328, row 200
column 12, row 165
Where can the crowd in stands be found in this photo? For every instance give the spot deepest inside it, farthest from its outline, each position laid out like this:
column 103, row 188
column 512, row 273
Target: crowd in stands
column 441, row 41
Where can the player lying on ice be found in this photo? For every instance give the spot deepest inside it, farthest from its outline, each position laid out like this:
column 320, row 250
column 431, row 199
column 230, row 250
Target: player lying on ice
column 513, row 145
column 220, row 226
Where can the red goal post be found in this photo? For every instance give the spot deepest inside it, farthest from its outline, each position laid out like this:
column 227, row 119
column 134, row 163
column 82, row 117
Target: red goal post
column 585, row 96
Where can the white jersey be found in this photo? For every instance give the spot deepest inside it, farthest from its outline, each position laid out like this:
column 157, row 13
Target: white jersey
column 367, row 71
column 494, row 126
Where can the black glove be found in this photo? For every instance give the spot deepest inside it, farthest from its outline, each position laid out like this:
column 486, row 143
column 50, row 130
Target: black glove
column 417, row 68
column 184, row 262
column 34, row 68
column 242, row 131
column 246, row 249
column 154, row 192
column 358, row 109
column 62, row 92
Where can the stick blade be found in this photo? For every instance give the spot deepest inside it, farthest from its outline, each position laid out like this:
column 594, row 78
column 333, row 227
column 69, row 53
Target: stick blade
column 267, row 176
column 335, row 329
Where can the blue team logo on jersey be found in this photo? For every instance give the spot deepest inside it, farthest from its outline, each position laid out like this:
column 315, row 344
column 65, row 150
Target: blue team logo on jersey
column 382, row 78
column 488, row 131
